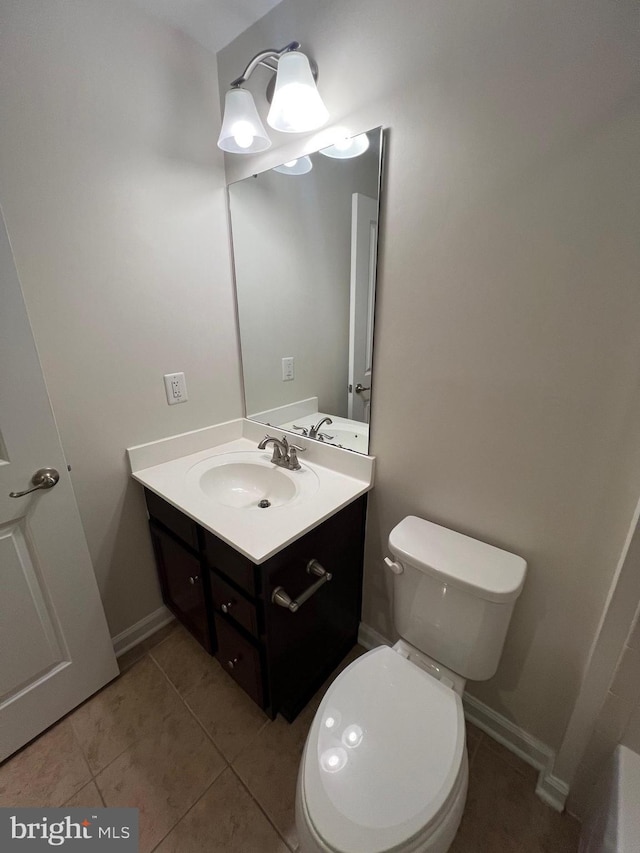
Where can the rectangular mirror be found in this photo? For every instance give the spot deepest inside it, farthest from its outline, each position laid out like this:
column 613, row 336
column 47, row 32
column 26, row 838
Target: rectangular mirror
column 304, row 244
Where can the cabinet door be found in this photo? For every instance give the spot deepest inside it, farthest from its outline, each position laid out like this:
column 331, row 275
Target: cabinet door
column 182, row 579
column 305, row 646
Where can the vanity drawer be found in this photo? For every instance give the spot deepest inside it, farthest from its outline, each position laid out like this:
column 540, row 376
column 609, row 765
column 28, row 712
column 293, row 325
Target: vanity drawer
column 239, row 659
column 223, row 558
column 172, row 519
column 234, row 605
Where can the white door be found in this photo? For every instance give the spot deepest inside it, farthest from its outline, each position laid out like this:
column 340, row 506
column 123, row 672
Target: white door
column 364, row 232
column 55, row 648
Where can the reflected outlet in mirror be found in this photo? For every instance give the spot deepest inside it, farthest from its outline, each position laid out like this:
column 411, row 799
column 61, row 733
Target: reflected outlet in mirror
column 305, row 246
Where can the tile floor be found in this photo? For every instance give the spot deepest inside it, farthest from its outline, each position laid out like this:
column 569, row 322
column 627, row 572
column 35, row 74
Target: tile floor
column 175, row 737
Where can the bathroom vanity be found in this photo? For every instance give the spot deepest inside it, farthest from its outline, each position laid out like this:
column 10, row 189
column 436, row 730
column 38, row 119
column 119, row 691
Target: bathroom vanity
column 278, row 657
column 274, row 593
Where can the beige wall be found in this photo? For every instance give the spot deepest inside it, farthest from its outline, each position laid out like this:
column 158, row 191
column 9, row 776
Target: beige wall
column 508, row 326
column 113, row 194
column 608, row 707
column 618, row 721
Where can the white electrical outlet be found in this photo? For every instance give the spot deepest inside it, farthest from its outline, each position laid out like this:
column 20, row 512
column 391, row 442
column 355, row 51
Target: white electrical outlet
column 176, row 388
column 287, row 369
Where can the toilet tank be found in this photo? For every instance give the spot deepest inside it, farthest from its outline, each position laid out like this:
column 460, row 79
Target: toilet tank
column 453, row 595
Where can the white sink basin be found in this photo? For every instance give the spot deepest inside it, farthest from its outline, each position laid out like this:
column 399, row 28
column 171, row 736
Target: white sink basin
column 249, row 480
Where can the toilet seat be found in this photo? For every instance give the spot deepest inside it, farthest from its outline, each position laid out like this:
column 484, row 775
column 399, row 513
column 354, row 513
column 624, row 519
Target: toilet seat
column 384, row 757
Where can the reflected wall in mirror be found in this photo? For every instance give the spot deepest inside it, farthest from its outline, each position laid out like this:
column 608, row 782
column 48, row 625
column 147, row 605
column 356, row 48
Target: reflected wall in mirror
column 304, row 244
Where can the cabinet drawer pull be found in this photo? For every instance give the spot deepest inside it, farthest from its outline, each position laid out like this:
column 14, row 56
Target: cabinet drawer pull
column 193, row 579
column 232, row 664
column 280, row 597
column 226, row 607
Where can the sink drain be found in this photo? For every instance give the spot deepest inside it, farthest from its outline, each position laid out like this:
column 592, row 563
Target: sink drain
column 263, row 504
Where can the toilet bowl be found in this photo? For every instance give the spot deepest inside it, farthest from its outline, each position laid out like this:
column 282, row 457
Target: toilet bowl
column 385, row 764
column 384, row 768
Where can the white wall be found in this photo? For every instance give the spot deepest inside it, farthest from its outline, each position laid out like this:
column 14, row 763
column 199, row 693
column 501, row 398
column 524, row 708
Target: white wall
column 508, row 323
column 113, row 194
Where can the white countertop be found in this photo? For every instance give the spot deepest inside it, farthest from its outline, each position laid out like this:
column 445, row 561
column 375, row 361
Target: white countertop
column 162, row 466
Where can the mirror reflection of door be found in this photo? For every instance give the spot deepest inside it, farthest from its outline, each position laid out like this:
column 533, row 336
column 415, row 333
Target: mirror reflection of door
column 364, row 238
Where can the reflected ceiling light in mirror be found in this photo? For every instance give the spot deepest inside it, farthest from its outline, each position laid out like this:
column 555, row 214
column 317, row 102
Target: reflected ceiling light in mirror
column 296, row 106
column 242, row 131
column 347, row 147
column 301, row 166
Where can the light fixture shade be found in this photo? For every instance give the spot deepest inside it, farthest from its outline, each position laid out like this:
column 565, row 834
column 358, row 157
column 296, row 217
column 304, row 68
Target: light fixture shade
column 242, row 131
column 301, row 166
column 348, row 147
column 297, row 106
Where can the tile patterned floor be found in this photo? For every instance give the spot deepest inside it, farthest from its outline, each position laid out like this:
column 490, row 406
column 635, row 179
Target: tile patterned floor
column 175, row 737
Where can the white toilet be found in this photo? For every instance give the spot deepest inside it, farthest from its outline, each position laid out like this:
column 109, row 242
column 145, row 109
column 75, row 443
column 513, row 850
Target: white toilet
column 385, row 763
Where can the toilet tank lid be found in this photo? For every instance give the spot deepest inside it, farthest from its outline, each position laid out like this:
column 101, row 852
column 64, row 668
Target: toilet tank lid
column 484, row 570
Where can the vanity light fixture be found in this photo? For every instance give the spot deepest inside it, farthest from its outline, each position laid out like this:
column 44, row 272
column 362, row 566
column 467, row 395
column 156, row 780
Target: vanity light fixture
column 296, row 105
column 301, row 166
column 347, row 147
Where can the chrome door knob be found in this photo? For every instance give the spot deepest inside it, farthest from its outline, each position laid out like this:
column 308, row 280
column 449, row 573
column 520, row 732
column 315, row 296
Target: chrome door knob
column 360, row 388
column 226, row 607
column 44, row 478
column 232, row 664
column 193, row 580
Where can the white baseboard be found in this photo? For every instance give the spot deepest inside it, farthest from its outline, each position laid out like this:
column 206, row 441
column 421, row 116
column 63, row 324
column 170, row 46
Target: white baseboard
column 550, row 788
column 141, row 630
column 534, row 752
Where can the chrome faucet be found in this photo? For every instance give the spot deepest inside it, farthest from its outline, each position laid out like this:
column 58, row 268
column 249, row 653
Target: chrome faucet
column 285, row 455
column 314, row 431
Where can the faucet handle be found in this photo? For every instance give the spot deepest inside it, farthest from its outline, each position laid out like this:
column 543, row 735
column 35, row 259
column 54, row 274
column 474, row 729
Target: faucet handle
column 294, row 449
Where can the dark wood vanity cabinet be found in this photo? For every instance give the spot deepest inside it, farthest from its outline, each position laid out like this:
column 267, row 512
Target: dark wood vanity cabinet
column 280, row 658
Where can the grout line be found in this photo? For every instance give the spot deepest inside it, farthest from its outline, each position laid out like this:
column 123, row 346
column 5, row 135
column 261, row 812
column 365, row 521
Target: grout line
column 197, row 719
column 191, row 807
column 140, row 737
column 82, row 753
column 229, row 765
column 207, row 735
column 192, row 714
column 261, row 807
